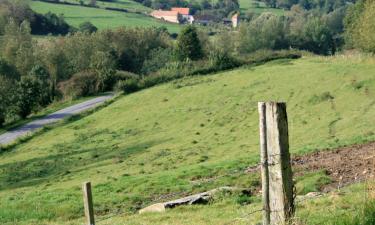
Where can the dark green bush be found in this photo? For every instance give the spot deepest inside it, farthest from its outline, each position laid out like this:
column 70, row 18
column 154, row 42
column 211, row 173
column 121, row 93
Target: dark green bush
column 222, row 60
column 157, row 59
column 80, row 84
column 128, row 86
column 87, row 27
column 113, row 82
column 29, row 95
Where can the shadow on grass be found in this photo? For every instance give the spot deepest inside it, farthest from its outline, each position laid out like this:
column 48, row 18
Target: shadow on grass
column 54, row 167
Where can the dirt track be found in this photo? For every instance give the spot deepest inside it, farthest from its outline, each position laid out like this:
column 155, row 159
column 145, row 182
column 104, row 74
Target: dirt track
column 344, row 165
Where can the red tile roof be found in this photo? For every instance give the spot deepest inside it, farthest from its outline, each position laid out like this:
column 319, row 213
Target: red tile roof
column 182, row 11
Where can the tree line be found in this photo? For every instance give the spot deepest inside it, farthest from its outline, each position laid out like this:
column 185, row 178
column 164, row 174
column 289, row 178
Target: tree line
column 49, row 23
column 318, row 5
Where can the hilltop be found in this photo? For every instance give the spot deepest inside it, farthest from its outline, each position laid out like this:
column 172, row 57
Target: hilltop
column 187, row 136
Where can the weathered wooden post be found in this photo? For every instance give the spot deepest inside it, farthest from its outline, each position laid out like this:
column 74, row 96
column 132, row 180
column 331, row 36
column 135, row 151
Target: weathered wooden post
column 87, row 201
column 264, row 162
column 277, row 180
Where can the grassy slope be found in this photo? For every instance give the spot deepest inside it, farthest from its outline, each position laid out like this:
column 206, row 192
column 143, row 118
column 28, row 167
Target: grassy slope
column 103, row 19
column 247, row 6
column 120, row 4
column 171, row 138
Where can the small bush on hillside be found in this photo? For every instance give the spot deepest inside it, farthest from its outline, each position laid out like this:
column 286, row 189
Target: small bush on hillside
column 128, row 86
column 222, row 60
column 87, row 27
column 81, row 84
column 119, row 78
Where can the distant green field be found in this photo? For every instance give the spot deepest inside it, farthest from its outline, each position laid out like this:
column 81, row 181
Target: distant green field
column 120, row 4
column 186, row 136
column 103, row 19
column 257, row 7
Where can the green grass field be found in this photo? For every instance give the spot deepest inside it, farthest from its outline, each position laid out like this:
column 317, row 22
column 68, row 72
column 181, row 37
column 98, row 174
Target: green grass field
column 257, row 7
column 188, row 136
column 129, row 5
column 101, row 18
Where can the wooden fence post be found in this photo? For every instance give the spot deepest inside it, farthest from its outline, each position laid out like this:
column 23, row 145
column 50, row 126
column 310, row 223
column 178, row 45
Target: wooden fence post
column 87, row 201
column 264, row 162
column 279, row 183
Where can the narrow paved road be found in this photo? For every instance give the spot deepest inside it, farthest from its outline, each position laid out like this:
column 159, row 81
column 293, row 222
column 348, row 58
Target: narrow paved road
column 12, row 135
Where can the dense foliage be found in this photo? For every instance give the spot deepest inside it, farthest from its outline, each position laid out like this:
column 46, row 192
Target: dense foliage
column 299, row 29
column 321, row 5
column 188, row 44
column 360, row 25
column 20, row 11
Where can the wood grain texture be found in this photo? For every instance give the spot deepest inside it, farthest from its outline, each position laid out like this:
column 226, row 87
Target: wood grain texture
column 264, row 162
column 88, row 203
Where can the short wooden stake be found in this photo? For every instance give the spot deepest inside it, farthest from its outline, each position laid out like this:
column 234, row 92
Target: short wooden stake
column 277, row 180
column 87, row 201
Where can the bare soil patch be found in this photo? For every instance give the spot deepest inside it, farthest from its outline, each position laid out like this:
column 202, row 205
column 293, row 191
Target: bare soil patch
column 346, row 165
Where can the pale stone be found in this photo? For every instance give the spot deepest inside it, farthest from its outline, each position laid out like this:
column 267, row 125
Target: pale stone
column 158, row 207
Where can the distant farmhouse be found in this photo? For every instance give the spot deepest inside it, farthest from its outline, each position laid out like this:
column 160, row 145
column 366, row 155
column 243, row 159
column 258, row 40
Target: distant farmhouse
column 170, row 16
column 175, row 15
column 182, row 15
column 185, row 14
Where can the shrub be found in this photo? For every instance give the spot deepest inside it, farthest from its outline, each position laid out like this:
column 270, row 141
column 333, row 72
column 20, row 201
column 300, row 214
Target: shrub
column 87, row 27
column 188, row 44
column 29, row 94
column 8, row 70
column 128, row 86
column 158, row 58
column 80, row 84
column 221, row 60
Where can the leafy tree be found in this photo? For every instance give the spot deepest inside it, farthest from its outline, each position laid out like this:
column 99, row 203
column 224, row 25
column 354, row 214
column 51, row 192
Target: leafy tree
column 157, row 59
column 87, row 27
column 8, row 70
column 105, row 66
column 6, row 97
column 44, row 78
column 17, row 46
column 29, row 93
column 265, row 32
column 133, row 46
column 188, row 44
column 360, row 25
column 317, row 37
column 49, row 23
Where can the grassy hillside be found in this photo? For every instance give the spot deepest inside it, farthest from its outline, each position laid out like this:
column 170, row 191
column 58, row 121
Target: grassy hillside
column 101, row 18
column 184, row 137
column 257, row 7
column 129, row 5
